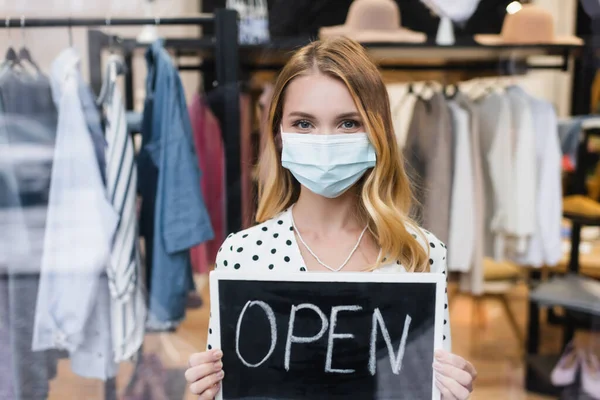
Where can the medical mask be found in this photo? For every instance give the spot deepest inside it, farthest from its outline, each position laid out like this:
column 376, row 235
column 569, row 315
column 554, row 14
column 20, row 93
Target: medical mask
column 327, row 165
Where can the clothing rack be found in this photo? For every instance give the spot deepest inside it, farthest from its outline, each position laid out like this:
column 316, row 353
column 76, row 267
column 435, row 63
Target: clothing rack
column 224, row 47
column 225, row 44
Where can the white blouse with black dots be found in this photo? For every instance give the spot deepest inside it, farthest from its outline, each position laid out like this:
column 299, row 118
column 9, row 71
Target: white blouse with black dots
column 271, row 246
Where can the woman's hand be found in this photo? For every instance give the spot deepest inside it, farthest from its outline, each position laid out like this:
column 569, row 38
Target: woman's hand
column 205, row 373
column 454, row 376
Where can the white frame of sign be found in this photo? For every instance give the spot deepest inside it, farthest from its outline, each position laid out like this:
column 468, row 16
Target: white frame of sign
column 437, row 278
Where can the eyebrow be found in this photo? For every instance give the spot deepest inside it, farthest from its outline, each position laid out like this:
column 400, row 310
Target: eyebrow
column 310, row 116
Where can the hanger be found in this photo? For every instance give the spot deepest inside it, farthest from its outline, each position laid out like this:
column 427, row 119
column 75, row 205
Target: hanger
column 24, row 54
column 11, row 56
column 114, row 67
column 433, row 85
column 483, row 87
column 452, row 94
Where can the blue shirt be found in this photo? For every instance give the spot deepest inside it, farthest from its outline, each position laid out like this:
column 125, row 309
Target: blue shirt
column 170, row 178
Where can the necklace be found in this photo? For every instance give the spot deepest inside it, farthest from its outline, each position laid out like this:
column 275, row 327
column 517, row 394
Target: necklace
column 317, row 257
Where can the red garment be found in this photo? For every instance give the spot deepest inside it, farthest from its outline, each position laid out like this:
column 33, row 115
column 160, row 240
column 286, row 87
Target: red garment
column 246, row 160
column 211, row 159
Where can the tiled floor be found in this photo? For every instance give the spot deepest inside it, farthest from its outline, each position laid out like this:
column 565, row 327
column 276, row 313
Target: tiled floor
column 493, row 349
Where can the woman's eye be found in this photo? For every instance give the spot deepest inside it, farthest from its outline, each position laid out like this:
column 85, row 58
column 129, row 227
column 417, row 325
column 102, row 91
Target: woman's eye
column 349, row 124
column 303, row 124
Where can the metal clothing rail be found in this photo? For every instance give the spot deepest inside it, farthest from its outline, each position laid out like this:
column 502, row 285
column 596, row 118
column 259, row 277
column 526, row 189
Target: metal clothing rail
column 24, row 22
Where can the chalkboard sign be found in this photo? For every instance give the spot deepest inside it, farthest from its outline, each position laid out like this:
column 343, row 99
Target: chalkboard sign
column 327, row 335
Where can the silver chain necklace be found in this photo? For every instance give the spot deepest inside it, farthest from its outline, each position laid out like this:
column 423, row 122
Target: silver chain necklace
column 317, row 257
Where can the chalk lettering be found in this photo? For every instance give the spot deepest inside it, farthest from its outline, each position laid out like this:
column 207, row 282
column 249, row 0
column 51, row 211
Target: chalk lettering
column 395, row 360
column 298, row 339
column 271, row 316
column 333, row 336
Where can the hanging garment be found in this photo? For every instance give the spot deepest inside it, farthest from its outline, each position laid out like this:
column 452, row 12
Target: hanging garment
column 522, row 214
column 545, row 245
column 94, row 124
column 246, row 160
column 27, row 127
column 473, row 281
column 211, row 157
column 402, row 105
column 169, row 176
column 14, row 242
column 428, row 154
column 72, row 311
column 462, row 202
column 216, row 100
column 128, row 303
column 496, row 148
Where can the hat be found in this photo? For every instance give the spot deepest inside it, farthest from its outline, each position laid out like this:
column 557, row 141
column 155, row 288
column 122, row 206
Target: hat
column 373, row 21
column 530, row 25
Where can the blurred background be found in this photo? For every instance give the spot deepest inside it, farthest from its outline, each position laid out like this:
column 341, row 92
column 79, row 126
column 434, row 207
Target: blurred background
column 89, row 88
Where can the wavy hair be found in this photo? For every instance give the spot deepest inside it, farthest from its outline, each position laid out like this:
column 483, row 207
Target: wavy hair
column 385, row 196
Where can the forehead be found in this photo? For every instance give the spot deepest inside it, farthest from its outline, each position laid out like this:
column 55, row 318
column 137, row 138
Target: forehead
column 318, row 94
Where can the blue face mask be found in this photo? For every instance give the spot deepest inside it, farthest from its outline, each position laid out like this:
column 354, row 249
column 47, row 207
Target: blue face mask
column 327, row 165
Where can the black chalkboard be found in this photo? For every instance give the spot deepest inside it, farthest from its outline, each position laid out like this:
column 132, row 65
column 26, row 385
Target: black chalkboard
column 327, row 335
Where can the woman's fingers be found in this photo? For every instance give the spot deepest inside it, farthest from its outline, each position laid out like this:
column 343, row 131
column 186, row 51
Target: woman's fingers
column 205, row 357
column 205, row 385
column 210, row 393
column 461, row 376
column 195, row 373
column 448, row 358
column 444, row 391
column 454, row 389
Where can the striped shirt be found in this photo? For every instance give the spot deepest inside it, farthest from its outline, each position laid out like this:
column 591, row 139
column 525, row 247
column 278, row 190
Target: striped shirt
column 128, row 306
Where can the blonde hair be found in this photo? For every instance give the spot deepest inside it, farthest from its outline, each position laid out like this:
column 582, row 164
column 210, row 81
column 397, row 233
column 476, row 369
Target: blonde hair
column 385, row 196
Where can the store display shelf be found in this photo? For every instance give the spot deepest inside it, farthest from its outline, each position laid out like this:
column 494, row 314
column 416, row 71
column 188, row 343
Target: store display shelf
column 579, row 320
column 465, row 55
column 582, row 219
column 572, row 292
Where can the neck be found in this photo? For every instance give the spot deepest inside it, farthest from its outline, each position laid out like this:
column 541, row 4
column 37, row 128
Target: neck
column 319, row 214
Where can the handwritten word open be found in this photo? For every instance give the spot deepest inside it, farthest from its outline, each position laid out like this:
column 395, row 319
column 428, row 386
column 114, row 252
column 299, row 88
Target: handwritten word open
column 328, row 325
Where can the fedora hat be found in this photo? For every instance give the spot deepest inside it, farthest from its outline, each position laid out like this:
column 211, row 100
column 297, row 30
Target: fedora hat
column 530, row 25
column 373, row 21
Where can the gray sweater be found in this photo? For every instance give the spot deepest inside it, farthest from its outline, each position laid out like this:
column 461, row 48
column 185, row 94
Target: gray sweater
column 428, row 154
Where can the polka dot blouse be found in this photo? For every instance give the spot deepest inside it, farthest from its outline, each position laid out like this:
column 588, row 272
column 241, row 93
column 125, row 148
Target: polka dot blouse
column 272, row 246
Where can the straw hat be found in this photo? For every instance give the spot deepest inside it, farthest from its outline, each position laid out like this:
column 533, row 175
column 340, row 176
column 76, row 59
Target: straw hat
column 373, row 21
column 530, row 25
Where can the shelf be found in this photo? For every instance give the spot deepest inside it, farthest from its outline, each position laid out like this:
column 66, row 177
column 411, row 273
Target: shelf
column 582, row 219
column 466, row 55
column 579, row 320
column 571, row 292
column 278, row 51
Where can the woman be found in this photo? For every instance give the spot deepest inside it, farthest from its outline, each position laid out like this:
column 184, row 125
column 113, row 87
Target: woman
column 334, row 195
